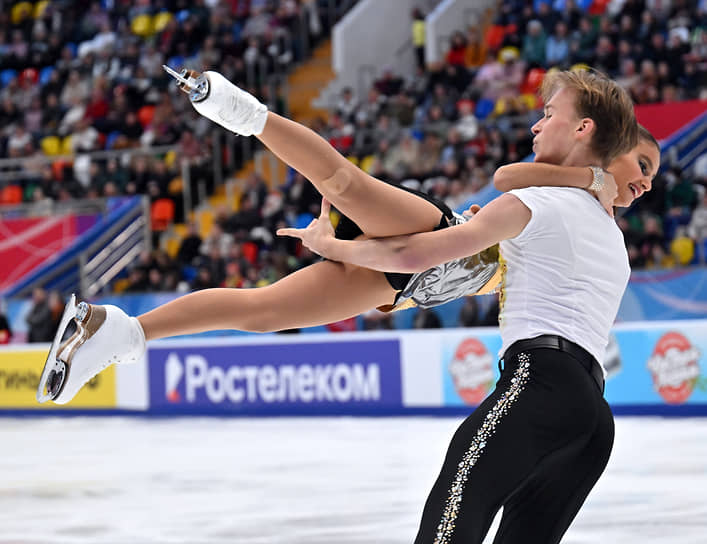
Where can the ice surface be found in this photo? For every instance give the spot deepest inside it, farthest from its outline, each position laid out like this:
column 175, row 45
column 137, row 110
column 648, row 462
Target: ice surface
column 305, row 480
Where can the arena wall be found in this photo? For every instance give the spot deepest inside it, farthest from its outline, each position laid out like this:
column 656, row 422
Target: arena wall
column 653, row 369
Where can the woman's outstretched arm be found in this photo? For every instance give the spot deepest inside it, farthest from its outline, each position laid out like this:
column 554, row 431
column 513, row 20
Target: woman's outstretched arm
column 520, row 175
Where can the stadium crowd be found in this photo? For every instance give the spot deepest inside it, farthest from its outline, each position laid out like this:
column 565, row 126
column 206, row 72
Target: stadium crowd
column 86, row 76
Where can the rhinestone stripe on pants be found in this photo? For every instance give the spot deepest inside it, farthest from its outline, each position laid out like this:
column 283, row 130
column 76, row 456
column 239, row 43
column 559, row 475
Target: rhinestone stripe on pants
column 476, row 449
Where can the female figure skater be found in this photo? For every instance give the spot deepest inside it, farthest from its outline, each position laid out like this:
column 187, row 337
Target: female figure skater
column 321, row 293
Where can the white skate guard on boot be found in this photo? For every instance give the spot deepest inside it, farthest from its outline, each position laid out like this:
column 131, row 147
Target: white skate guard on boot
column 104, row 335
column 216, row 98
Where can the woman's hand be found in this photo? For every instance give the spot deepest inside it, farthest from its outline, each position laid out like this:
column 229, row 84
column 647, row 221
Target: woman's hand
column 317, row 235
column 608, row 193
column 472, row 211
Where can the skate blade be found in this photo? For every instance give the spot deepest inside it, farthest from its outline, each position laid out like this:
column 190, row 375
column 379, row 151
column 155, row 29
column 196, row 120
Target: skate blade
column 55, row 371
column 193, row 83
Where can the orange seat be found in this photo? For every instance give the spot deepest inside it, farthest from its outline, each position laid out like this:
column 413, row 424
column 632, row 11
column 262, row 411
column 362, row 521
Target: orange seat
column 162, row 214
column 11, row 194
column 145, row 115
column 250, row 252
column 532, row 81
column 494, row 36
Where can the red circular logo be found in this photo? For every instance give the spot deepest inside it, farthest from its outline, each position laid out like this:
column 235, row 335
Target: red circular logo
column 471, row 371
column 674, row 367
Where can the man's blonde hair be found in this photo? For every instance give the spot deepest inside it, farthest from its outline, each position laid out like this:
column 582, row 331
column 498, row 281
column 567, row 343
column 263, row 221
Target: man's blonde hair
column 603, row 101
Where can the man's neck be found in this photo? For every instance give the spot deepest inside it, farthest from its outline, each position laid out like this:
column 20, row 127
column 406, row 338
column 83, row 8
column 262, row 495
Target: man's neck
column 582, row 157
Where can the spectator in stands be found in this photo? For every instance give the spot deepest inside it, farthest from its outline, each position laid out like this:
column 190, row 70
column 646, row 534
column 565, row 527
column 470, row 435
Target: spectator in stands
column 137, row 280
column 652, row 240
column 389, row 83
column 418, row 37
column 216, row 239
column 697, row 228
column 347, row 105
column 491, row 315
column 534, row 44
column 155, row 280
column 475, row 53
column 375, row 320
column 680, row 200
column 558, row 46
column 5, row 329
column 456, row 55
column 203, row 279
column 19, row 144
column 56, row 307
column 39, row 318
column 583, row 42
column 426, row 318
column 470, row 313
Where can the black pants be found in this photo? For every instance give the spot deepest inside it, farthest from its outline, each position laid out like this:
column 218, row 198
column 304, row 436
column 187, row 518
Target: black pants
column 536, row 447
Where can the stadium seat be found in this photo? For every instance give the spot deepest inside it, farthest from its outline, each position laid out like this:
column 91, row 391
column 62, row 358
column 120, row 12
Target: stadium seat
column 11, row 194
column 176, row 62
column 161, row 20
column 58, row 168
column 40, row 8
column 29, row 76
column 483, row 108
column 532, row 81
column 45, row 74
column 182, row 15
column 501, row 106
column 162, row 214
column 142, row 25
column 176, row 186
column 170, row 158
column 145, row 115
column 111, row 138
column 366, row 163
column 579, row 67
column 303, row 220
column 530, row 100
column 683, row 249
column 250, row 252
column 20, row 12
column 6, row 76
column 120, row 285
column 494, row 36
column 51, row 145
column 66, row 147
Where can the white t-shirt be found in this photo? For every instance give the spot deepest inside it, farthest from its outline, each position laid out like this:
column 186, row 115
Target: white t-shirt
column 566, row 272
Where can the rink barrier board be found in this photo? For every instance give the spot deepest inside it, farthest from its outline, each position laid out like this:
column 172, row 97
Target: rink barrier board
column 20, row 369
column 655, row 368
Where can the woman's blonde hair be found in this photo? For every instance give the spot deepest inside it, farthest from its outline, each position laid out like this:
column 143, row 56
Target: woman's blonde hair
column 603, row 101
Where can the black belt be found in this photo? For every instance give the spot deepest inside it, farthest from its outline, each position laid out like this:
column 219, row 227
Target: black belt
column 551, row 341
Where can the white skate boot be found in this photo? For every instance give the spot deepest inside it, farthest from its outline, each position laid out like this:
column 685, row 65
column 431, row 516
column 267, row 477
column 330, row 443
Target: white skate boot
column 216, row 98
column 104, row 335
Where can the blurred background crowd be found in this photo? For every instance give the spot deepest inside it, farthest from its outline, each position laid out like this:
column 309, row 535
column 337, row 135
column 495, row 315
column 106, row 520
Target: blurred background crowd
column 85, row 77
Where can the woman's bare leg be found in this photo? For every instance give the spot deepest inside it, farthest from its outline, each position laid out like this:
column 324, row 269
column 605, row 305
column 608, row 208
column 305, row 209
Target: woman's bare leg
column 378, row 208
column 318, row 294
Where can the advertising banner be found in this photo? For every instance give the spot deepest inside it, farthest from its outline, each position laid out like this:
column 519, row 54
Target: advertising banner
column 658, row 368
column 470, row 365
column 19, row 377
column 663, row 365
column 280, row 378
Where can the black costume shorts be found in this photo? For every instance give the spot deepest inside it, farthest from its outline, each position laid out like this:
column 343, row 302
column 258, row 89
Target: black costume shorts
column 346, row 229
